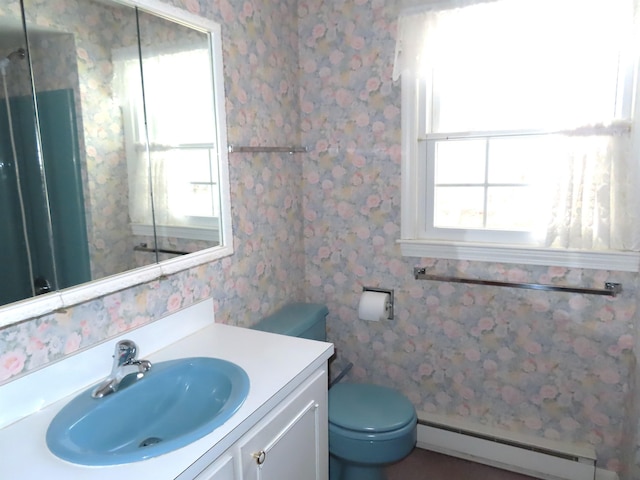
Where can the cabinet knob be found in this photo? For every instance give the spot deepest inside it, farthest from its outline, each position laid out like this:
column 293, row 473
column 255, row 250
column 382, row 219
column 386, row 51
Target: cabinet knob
column 260, row 457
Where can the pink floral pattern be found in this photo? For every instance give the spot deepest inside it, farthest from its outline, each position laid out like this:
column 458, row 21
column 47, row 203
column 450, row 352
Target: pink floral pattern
column 552, row 365
column 320, row 226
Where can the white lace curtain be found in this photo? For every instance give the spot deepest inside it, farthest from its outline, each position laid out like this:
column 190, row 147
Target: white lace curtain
column 593, row 191
column 179, row 108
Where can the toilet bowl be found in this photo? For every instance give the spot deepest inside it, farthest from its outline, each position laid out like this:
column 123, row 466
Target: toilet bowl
column 370, row 426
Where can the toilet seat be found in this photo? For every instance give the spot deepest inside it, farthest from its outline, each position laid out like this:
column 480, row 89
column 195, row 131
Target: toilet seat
column 369, row 425
column 369, row 409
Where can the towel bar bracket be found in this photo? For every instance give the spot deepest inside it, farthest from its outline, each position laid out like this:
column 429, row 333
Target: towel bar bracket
column 613, row 287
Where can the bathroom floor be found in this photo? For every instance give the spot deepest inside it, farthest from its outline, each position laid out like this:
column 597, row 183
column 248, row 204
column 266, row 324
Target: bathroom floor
column 426, row 465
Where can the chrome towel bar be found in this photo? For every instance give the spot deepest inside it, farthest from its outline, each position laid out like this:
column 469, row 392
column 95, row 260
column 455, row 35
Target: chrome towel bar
column 246, row 149
column 144, row 248
column 610, row 289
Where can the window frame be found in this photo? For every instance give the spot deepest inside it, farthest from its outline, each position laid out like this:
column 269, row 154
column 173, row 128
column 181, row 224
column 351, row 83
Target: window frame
column 413, row 170
column 426, row 169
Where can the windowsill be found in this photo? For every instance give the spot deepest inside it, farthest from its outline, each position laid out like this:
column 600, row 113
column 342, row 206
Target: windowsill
column 187, row 233
column 614, row 261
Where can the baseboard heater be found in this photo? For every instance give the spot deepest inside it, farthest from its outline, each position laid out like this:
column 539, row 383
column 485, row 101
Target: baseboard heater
column 540, row 458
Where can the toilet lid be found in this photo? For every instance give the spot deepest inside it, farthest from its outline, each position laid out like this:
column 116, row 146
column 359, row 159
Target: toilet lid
column 370, row 408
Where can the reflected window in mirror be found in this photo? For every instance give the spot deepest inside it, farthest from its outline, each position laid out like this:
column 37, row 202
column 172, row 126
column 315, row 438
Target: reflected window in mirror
column 177, row 150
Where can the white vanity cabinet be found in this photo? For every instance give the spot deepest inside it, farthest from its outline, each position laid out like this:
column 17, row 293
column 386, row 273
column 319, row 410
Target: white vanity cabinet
column 222, row 469
column 290, row 442
column 280, row 432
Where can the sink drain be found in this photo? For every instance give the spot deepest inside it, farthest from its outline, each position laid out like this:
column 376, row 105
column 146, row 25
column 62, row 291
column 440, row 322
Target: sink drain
column 147, row 442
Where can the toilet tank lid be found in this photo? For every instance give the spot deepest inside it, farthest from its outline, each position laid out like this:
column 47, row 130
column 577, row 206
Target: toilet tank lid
column 293, row 319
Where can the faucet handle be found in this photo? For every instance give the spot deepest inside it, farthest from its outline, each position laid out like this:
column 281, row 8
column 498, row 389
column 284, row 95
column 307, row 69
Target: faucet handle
column 144, row 365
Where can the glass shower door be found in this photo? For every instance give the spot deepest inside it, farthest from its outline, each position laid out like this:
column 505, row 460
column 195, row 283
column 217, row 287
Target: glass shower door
column 16, row 281
column 41, row 201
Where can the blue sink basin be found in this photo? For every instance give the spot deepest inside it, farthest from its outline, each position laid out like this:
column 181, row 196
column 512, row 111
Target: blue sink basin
column 176, row 403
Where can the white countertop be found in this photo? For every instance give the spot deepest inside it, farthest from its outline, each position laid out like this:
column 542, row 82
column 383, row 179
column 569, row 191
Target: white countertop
column 276, row 365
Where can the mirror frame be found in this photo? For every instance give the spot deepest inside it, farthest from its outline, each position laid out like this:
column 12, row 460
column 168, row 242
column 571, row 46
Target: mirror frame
column 37, row 306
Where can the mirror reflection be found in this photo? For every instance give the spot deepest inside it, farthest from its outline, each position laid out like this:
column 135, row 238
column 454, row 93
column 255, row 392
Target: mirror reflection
column 108, row 147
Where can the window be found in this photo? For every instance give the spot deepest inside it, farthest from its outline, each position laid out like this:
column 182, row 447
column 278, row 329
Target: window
column 173, row 184
column 518, row 135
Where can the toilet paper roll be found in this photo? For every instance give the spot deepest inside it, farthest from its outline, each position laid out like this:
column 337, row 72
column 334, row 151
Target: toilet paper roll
column 373, row 306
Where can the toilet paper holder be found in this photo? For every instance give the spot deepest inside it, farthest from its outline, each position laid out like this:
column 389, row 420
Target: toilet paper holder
column 389, row 306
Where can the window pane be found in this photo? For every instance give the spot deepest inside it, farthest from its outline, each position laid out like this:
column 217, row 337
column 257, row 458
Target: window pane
column 460, row 161
column 459, row 207
column 519, row 159
column 566, row 77
column 200, row 164
column 511, row 208
column 199, row 201
column 197, row 195
column 184, row 186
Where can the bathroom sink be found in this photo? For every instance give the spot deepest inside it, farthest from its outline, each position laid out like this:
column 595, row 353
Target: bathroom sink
column 174, row 404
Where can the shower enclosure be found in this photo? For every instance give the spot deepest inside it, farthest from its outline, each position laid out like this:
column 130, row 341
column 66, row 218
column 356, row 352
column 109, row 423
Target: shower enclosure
column 43, row 237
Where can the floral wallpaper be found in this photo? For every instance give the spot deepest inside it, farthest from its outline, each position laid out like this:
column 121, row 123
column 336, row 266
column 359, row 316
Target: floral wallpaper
column 560, row 366
column 322, row 225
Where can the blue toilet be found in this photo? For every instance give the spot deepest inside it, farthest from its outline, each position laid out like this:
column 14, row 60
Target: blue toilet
column 370, row 426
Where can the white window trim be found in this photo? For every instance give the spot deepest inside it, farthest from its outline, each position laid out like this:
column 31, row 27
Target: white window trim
column 172, row 231
column 412, row 246
column 614, row 261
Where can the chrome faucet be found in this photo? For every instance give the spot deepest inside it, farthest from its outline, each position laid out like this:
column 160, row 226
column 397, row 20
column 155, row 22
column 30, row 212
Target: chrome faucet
column 125, row 366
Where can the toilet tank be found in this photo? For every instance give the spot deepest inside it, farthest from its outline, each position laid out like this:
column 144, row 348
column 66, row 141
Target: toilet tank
column 304, row 320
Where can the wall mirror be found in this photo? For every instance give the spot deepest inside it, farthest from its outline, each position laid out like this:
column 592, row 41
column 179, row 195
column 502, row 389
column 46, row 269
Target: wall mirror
column 113, row 154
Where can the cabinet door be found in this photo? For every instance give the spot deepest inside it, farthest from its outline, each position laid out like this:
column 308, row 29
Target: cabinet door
column 291, row 443
column 221, row 469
